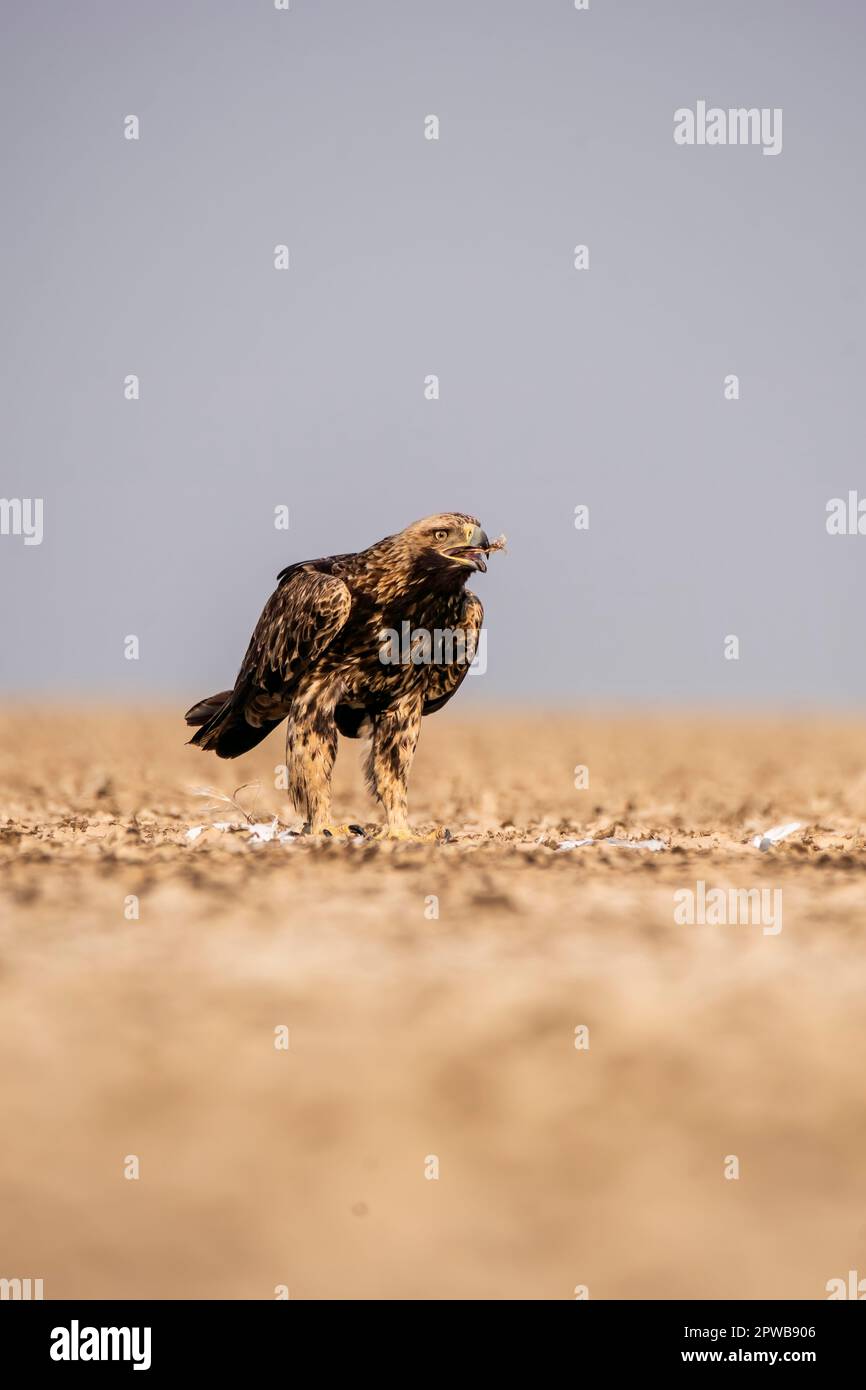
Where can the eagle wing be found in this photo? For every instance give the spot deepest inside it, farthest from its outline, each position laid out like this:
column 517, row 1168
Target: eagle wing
column 445, row 679
column 303, row 615
column 300, row 619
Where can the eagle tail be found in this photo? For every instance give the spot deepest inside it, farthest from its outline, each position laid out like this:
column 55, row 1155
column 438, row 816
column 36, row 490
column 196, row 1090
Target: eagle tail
column 206, row 709
column 223, row 729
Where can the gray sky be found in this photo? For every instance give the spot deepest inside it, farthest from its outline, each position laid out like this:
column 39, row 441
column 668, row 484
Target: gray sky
column 454, row 257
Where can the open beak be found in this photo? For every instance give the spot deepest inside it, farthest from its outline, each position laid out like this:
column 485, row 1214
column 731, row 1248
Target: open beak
column 474, row 552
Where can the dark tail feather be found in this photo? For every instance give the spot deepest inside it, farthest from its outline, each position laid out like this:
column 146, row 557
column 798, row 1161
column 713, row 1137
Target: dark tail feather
column 224, row 730
column 206, row 709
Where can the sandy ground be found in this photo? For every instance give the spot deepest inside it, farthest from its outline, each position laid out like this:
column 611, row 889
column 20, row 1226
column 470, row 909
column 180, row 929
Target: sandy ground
column 413, row 1036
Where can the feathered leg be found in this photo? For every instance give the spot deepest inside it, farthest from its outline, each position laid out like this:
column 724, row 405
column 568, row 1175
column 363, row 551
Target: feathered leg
column 311, row 747
column 395, row 736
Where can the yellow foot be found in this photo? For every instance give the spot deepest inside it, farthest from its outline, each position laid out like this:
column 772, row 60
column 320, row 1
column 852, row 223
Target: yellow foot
column 335, row 832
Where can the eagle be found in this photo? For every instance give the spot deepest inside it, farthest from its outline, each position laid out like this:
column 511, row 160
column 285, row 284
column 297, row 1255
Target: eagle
column 362, row 645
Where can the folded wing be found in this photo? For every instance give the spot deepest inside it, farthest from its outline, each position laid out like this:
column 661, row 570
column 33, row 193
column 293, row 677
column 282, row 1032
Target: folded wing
column 299, row 621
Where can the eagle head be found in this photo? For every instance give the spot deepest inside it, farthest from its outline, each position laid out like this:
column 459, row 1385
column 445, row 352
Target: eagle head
column 449, row 540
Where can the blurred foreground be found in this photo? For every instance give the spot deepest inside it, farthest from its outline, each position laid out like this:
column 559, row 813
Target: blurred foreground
column 413, row 1035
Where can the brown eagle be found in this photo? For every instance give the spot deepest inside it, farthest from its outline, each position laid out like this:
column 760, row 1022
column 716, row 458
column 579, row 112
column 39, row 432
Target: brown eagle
column 363, row 645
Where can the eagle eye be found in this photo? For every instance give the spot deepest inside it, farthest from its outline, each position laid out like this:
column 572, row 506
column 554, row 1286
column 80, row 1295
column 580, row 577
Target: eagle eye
column 441, row 535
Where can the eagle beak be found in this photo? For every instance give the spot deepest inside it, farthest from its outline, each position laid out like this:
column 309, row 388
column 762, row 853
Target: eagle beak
column 478, row 545
column 476, row 548
column 478, row 539
column 473, row 550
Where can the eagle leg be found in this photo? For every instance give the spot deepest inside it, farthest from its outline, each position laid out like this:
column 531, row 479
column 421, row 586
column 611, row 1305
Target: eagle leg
column 311, row 747
column 395, row 736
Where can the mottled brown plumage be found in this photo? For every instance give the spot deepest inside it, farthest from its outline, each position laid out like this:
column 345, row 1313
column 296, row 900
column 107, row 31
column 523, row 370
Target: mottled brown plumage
column 323, row 657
